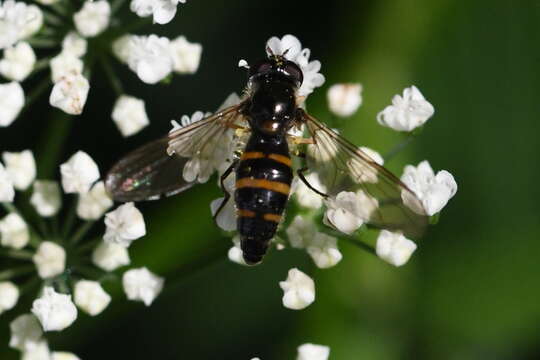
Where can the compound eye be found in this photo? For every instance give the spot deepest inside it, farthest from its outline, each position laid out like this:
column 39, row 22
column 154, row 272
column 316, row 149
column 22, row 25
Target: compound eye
column 294, row 71
column 260, row 68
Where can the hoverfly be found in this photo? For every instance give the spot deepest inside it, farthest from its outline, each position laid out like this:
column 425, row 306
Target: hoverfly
column 268, row 113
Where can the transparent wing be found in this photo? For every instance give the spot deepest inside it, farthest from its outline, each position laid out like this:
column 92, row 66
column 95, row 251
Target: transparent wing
column 159, row 168
column 342, row 166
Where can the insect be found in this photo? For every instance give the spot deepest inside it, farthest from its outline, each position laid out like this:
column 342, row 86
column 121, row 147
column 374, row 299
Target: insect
column 267, row 114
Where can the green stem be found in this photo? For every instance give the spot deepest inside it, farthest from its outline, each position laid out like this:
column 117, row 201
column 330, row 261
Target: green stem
column 111, row 76
column 52, row 143
column 81, row 231
column 36, row 92
column 41, row 64
column 16, row 272
column 362, row 245
column 43, row 43
column 116, row 5
column 17, row 254
column 399, row 147
column 70, row 221
column 89, row 245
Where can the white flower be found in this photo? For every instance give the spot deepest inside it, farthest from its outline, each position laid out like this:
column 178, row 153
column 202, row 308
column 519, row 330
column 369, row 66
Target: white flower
column 34, row 21
column 150, row 57
column 26, row 332
column 110, row 257
column 50, row 259
column 65, row 64
column 186, row 55
column 434, row 191
column 313, row 352
column 21, row 168
column 39, row 352
column 63, row 355
column 121, row 47
column 363, row 173
column 69, row 94
column 93, row 204
column 9, row 295
column 312, row 77
column 47, row 2
column 124, row 224
column 46, row 197
column 307, row 197
column 74, row 44
column 18, row 21
column 11, row 102
column 7, row 192
column 349, row 210
column 408, row 112
column 18, row 61
column 142, row 285
column 300, row 232
column 163, row 11
column 299, row 290
column 79, row 173
column 14, row 231
column 344, row 99
column 235, row 253
column 55, row 311
column 129, row 115
column 288, row 45
column 324, row 251
column 93, row 18
column 394, row 248
column 90, row 297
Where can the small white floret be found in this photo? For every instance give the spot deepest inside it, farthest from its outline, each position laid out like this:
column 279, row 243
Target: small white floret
column 129, row 115
column 21, row 168
column 65, row 64
column 93, row 204
column 54, row 311
column 434, row 191
column 9, row 295
column 311, row 70
column 47, row 2
column 50, row 259
column 79, row 173
column 299, row 290
column 11, row 102
column 40, row 352
column 18, row 61
column 46, row 197
column 90, row 297
column 324, row 251
column 150, row 57
column 14, row 231
column 186, row 55
column 74, row 44
column 110, row 257
column 162, row 11
column 26, row 332
column 7, row 192
column 70, row 93
column 142, row 285
column 313, row 352
column 124, row 225
column 288, row 45
column 344, row 99
column 305, row 196
column 33, row 21
column 348, row 210
column 407, row 112
column 235, row 253
column 243, row 64
column 121, row 47
column 93, row 18
column 63, row 355
column 300, row 232
column 394, row 248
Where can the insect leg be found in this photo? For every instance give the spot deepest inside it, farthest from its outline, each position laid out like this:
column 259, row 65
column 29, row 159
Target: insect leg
column 300, row 173
column 226, row 194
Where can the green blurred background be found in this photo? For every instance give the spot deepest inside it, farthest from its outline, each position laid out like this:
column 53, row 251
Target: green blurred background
column 471, row 291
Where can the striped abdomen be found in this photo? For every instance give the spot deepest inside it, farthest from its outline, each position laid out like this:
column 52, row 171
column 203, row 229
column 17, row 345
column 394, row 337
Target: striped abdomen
column 263, row 179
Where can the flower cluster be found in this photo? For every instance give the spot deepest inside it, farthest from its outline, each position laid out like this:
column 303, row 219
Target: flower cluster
column 53, row 260
column 27, row 29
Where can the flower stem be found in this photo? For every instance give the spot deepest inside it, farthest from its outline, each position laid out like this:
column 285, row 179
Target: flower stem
column 116, row 5
column 111, row 76
column 88, row 245
column 52, row 142
column 43, row 43
column 362, row 245
column 18, row 271
column 399, row 147
column 81, row 231
column 17, row 254
column 36, row 92
column 68, row 225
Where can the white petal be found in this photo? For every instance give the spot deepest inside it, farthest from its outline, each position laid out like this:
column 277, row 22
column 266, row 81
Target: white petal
column 121, row 48
column 324, row 251
column 288, row 44
column 93, row 204
column 307, row 197
column 110, row 257
column 62, row 355
column 90, row 297
column 235, row 253
column 349, row 210
column 14, row 231
column 46, row 197
column 299, row 290
column 124, row 225
column 79, row 173
column 394, row 248
column 39, row 352
column 34, row 21
column 65, row 64
column 9, row 295
column 74, row 44
column 163, row 11
column 93, row 18
column 300, row 232
column 142, row 285
column 11, row 102
column 408, row 112
column 50, row 259
column 26, row 332
column 18, row 61
column 344, row 99
column 150, row 57
column 186, row 55
column 129, row 115
column 69, row 94
column 55, row 311
column 7, row 192
column 313, row 352
column 21, row 168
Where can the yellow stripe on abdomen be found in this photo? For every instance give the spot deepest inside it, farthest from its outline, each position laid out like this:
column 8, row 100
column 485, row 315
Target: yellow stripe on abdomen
column 263, row 184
